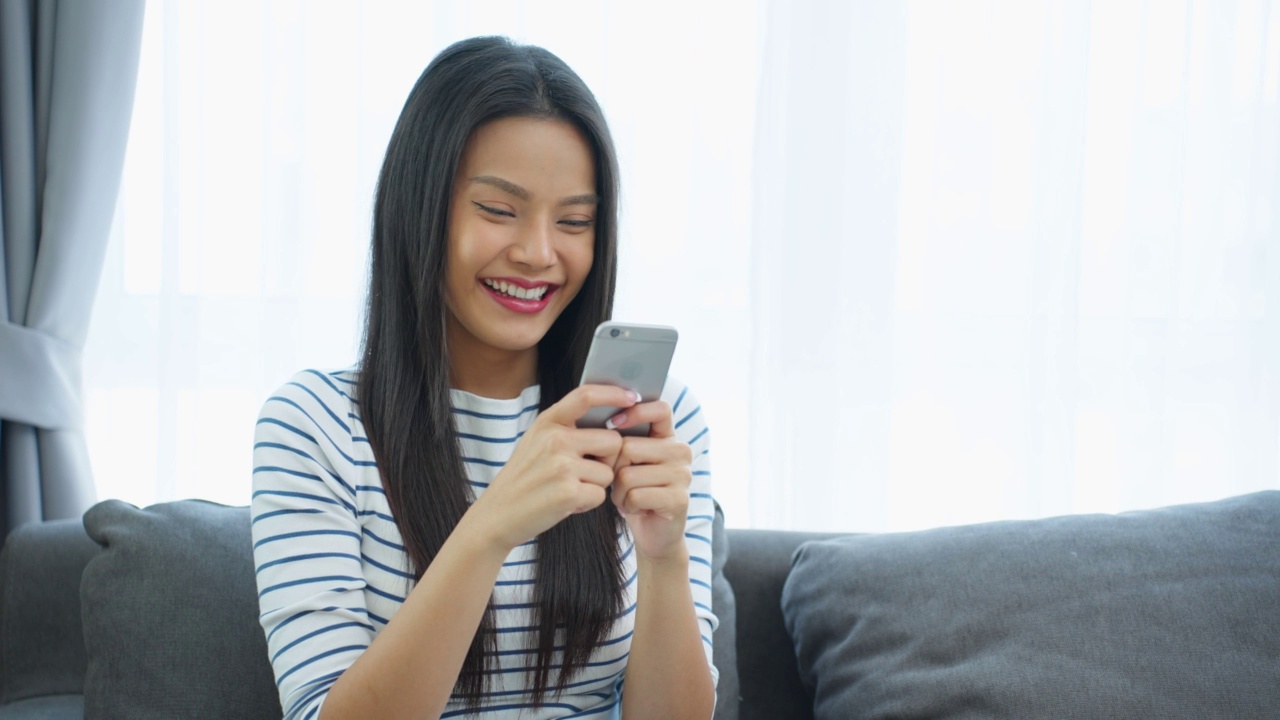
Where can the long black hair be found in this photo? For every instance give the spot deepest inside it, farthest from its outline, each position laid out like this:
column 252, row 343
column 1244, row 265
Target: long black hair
column 404, row 373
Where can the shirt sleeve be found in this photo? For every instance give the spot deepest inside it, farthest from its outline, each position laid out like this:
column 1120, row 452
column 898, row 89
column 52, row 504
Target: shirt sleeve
column 306, row 541
column 691, row 427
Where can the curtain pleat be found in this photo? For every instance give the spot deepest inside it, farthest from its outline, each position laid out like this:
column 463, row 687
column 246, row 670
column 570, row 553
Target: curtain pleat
column 67, row 75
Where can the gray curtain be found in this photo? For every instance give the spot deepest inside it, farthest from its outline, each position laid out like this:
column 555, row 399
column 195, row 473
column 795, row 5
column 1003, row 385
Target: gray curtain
column 67, row 75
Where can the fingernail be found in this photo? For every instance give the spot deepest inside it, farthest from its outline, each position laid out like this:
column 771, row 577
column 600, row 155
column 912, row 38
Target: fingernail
column 613, row 422
column 635, row 396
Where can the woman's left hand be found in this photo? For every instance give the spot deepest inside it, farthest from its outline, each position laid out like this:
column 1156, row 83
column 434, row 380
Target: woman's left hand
column 651, row 482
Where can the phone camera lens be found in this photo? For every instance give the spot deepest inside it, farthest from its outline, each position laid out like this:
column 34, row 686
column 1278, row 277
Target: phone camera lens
column 615, row 332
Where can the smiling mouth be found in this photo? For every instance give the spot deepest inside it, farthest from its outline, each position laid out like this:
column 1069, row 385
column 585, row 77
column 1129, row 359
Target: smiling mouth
column 511, row 290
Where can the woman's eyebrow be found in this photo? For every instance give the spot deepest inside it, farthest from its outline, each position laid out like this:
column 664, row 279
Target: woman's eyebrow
column 513, row 189
column 504, row 185
column 587, row 199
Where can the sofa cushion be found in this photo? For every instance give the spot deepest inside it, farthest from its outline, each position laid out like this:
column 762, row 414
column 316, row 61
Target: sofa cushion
column 170, row 615
column 1168, row 613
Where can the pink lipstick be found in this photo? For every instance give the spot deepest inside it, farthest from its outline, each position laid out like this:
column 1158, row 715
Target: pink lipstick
column 503, row 290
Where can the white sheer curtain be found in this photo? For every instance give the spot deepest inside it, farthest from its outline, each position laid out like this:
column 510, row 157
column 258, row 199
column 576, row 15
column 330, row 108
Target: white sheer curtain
column 240, row 249
column 1014, row 259
column 932, row 262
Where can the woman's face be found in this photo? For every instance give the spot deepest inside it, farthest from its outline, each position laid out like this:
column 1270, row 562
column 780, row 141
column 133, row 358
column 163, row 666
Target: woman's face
column 521, row 233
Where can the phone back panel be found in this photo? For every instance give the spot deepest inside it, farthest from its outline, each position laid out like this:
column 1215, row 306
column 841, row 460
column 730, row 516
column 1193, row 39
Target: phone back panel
column 637, row 358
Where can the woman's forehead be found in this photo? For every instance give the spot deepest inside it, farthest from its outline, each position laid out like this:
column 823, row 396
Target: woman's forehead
column 529, row 158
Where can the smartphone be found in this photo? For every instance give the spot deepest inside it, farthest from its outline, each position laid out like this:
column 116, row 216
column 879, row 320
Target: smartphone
column 635, row 357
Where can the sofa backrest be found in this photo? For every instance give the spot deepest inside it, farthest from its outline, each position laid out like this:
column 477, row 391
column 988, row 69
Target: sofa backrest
column 172, row 564
column 41, row 636
column 758, row 564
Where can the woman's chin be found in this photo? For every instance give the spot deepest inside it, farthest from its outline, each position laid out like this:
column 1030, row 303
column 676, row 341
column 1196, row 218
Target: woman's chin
column 518, row 339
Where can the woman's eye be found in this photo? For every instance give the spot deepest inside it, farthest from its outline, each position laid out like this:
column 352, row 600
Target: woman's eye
column 499, row 212
column 575, row 223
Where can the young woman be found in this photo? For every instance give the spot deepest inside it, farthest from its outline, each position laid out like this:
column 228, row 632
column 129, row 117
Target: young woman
column 433, row 535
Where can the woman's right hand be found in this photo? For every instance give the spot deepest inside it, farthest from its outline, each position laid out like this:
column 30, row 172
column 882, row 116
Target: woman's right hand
column 557, row 469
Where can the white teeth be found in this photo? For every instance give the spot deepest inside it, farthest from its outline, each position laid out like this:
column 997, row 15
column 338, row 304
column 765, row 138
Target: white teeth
column 516, row 291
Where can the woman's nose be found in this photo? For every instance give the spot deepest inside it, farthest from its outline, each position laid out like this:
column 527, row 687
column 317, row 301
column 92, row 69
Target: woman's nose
column 534, row 248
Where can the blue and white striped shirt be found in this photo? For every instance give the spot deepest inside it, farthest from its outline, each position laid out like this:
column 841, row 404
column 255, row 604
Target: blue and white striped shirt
column 332, row 571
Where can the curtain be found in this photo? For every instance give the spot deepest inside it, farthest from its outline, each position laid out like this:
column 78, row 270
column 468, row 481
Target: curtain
column 1014, row 259
column 67, row 73
column 931, row 262
column 239, row 252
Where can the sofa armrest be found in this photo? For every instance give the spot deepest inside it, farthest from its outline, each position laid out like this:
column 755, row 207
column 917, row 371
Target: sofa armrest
column 41, row 641
column 758, row 565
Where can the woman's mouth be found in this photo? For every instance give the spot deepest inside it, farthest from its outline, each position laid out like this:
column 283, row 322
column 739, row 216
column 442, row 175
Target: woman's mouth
column 521, row 298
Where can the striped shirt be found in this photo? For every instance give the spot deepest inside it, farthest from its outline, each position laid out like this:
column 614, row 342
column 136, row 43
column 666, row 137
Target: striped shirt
column 332, row 571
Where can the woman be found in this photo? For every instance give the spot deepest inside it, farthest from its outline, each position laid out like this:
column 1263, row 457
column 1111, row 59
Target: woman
column 433, row 535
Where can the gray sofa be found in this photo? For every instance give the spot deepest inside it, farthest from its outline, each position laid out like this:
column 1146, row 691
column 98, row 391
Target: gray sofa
column 1165, row 613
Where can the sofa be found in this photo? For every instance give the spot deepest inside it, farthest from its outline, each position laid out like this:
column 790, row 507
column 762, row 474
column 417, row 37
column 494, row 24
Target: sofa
column 1168, row 613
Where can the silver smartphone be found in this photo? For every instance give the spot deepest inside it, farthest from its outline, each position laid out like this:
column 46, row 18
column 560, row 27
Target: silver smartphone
column 631, row 356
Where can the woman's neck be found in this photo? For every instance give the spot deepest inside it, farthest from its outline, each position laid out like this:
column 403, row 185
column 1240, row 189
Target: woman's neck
column 488, row 371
